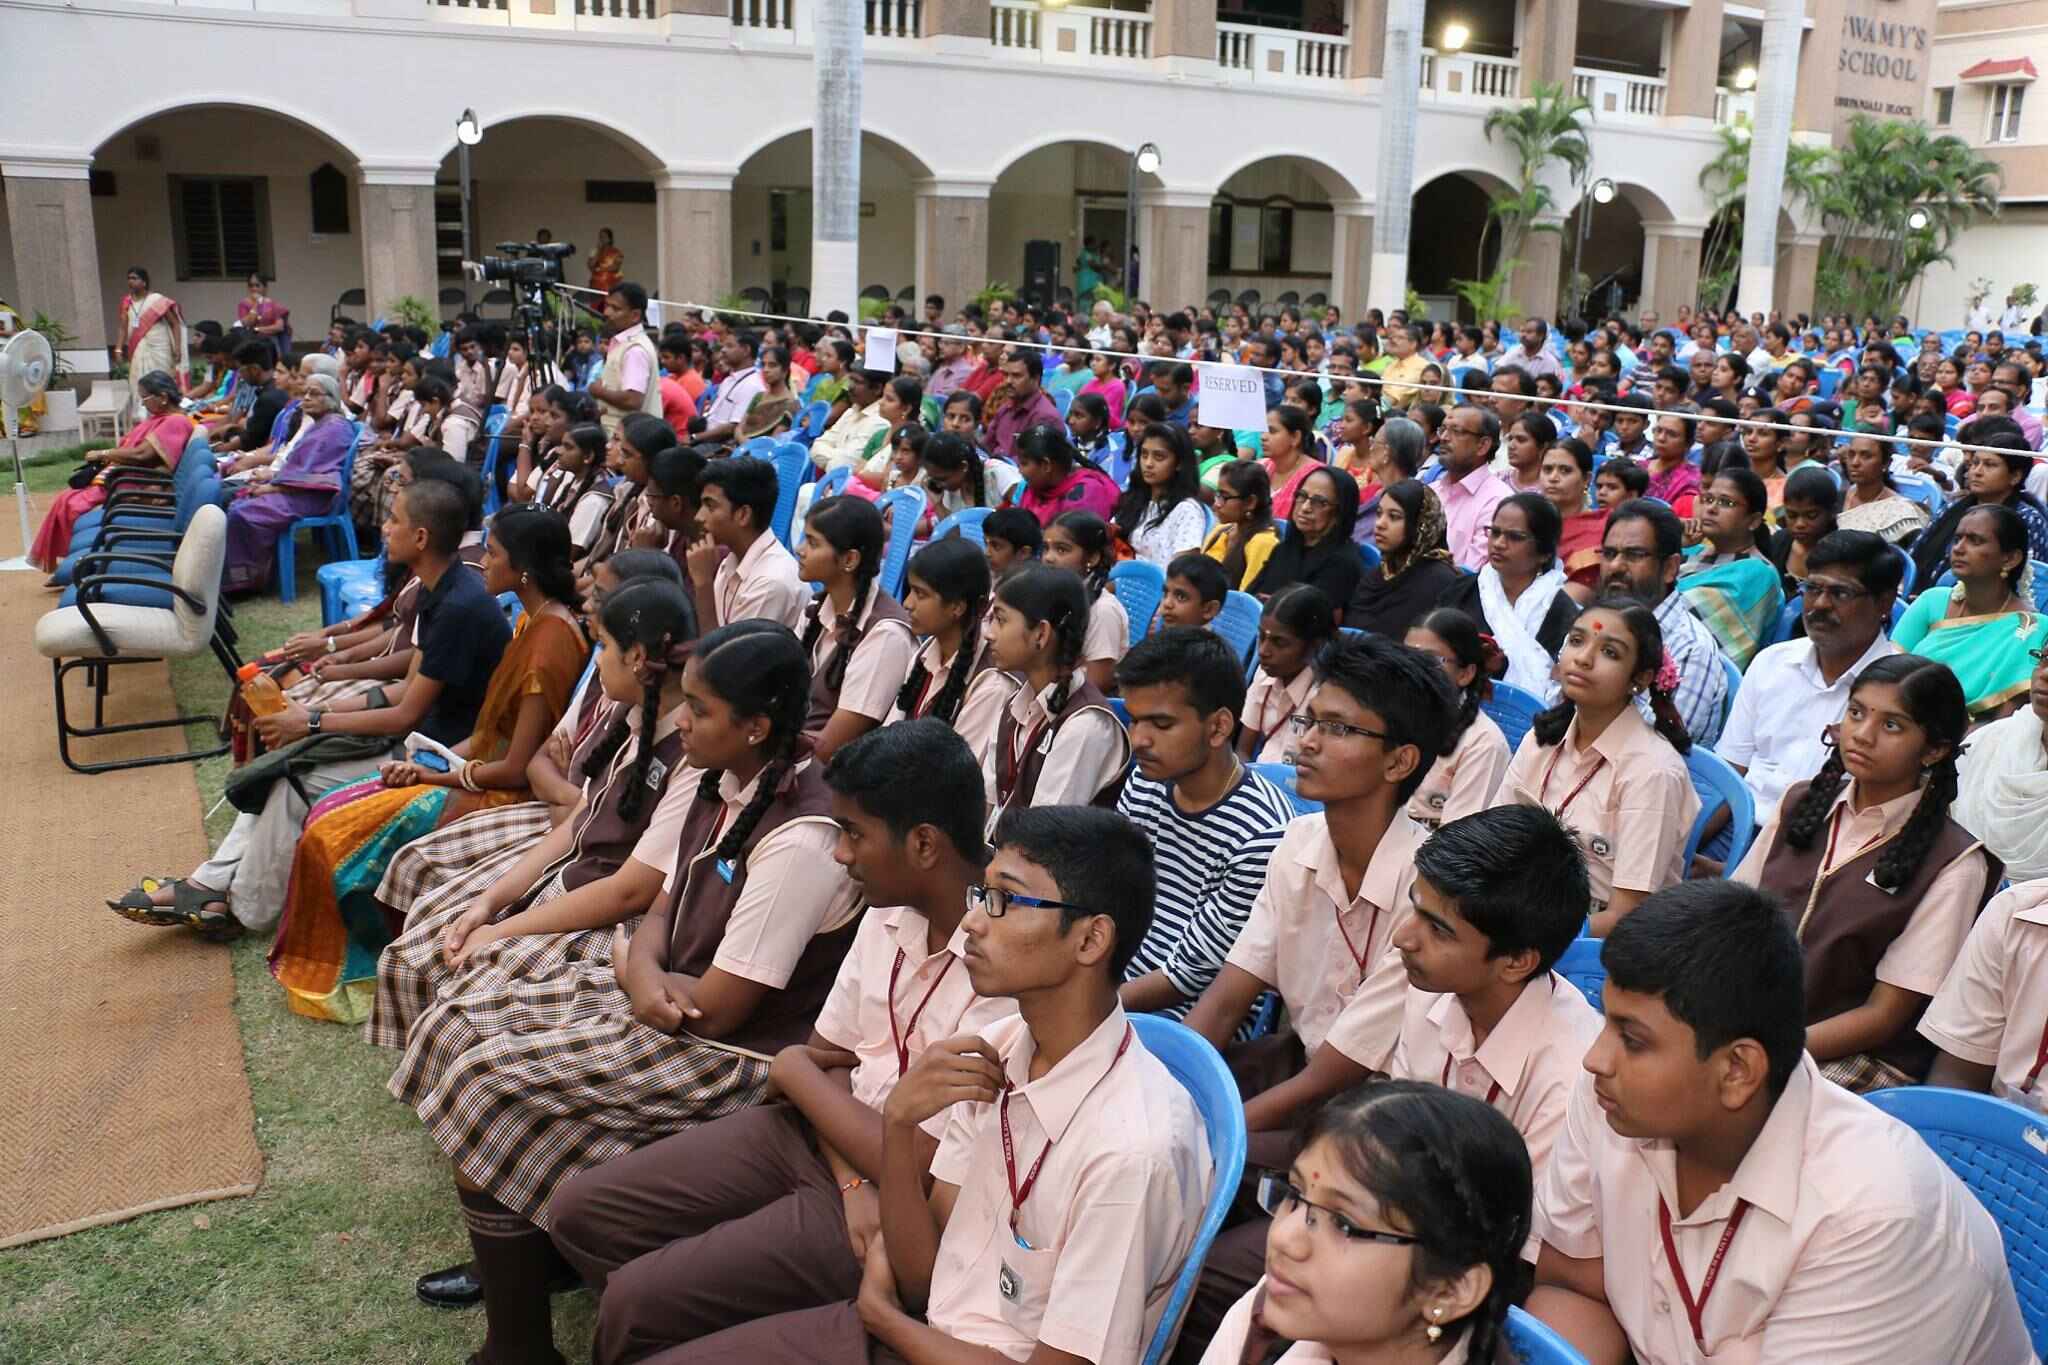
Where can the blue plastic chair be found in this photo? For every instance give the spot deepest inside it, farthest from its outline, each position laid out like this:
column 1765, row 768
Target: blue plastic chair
column 1733, row 676
column 335, row 523
column 1580, row 965
column 1513, row 710
column 1062, row 399
column 1282, row 775
column 2000, row 1151
column 706, row 399
column 1200, row 1070
column 347, row 588
column 1788, row 617
column 1369, row 553
column 494, row 447
column 1140, row 587
column 1120, row 711
column 1238, row 624
column 1719, row 785
column 966, row 523
column 810, row 423
column 1906, row 583
column 1534, row 1343
column 908, row 507
column 792, row 467
column 1118, row 459
column 761, row 448
column 1922, row 490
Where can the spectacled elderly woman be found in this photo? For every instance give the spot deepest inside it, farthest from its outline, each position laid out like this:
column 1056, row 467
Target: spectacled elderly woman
column 156, row 442
column 303, row 486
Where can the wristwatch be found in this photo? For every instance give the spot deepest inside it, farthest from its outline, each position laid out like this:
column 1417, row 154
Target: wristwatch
column 313, row 719
column 330, row 644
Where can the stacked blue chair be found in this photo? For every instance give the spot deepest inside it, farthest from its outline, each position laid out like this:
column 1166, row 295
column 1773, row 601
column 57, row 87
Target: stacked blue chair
column 1140, row 587
column 904, row 508
column 966, row 523
column 2000, row 1151
column 1282, row 775
column 335, row 523
column 1532, row 1342
column 1238, row 624
column 1719, row 785
column 792, row 468
column 1200, row 1070
column 1580, row 965
column 143, row 508
column 1512, row 710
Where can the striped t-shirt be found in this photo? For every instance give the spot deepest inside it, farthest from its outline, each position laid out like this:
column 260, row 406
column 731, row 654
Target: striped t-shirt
column 1210, row 867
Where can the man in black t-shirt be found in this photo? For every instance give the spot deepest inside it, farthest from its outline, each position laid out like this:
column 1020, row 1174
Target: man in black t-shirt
column 257, row 360
column 462, row 635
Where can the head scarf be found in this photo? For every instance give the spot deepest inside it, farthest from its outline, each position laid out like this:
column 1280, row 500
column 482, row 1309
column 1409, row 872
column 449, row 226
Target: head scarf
column 1428, row 536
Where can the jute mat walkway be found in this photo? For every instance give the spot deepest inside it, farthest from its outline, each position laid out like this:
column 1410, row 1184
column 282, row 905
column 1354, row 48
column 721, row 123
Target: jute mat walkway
column 121, row 1082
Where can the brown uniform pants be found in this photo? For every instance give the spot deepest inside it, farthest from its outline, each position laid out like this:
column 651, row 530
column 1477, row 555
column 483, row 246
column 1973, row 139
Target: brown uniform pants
column 831, row 1335
column 734, row 1220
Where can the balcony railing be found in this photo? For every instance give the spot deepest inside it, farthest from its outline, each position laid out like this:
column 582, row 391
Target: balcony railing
column 1469, row 76
column 1732, row 106
column 1119, row 34
column 894, row 18
column 1013, row 24
column 1251, row 53
column 1619, row 95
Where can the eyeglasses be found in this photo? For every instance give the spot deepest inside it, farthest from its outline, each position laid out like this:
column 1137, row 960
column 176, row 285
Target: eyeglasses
column 1632, row 554
column 1278, row 1198
column 995, row 902
column 1817, row 591
column 1721, row 500
column 1314, row 500
column 1302, row 722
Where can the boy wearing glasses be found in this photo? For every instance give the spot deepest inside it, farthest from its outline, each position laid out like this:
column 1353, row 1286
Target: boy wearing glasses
column 1072, row 1169
column 1337, row 888
column 771, row 1209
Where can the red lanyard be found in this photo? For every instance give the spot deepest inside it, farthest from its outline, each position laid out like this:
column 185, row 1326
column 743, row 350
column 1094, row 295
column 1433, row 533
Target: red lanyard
column 1834, row 832
column 1492, row 1091
column 1360, row 959
column 1013, row 762
column 1695, row 1308
column 1020, row 1193
column 901, row 1036
column 2040, row 1060
column 1543, row 796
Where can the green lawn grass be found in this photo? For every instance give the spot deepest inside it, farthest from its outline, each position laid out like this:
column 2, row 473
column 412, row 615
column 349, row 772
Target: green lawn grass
column 317, row 1266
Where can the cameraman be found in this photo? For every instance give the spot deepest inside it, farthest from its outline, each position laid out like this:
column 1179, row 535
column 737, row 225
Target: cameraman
column 629, row 381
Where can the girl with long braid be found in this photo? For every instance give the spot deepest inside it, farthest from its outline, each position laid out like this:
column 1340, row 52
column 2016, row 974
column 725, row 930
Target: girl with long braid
column 1083, row 543
column 1057, row 743
column 954, row 677
column 858, row 637
column 1442, row 1182
column 1464, row 781
column 1599, row 767
column 559, row 898
column 564, row 1071
column 1882, row 884
column 575, row 484
column 630, row 521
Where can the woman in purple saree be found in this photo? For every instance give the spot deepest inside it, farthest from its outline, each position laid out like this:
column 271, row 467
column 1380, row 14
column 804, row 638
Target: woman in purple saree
column 304, row 486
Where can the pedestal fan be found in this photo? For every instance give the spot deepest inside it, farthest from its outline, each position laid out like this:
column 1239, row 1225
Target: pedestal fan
column 25, row 365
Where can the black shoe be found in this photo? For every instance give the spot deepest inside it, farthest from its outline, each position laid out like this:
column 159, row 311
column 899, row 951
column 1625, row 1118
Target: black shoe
column 459, row 1286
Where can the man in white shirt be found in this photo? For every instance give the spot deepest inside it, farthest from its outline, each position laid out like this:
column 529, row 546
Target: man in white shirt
column 741, row 385
column 1794, row 692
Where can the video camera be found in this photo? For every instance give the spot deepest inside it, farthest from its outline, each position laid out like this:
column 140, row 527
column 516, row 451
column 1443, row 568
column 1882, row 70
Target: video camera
column 527, row 263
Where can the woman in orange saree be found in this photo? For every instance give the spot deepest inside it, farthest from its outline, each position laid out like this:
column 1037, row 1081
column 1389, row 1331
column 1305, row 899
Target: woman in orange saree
column 607, row 263
column 326, row 951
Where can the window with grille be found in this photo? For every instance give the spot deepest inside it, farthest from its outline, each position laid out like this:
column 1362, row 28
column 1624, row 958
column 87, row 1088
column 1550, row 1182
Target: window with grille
column 1944, row 105
column 328, row 188
column 1219, row 238
column 2005, row 112
column 220, row 226
column 1276, row 239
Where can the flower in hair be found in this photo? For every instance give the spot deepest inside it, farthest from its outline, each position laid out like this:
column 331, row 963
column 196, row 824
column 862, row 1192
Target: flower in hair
column 1667, row 673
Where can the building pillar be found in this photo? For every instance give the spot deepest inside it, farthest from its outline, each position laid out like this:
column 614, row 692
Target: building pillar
column 398, row 237
column 1550, row 42
column 1350, row 257
column 956, row 25
column 1794, row 279
column 1394, row 196
column 693, row 236
column 1184, row 35
column 1777, row 76
column 951, row 239
column 1533, row 289
column 1694, row 69
column 1173, row 264
column 1671, row 268
column 56, row 253
column 1368, row 40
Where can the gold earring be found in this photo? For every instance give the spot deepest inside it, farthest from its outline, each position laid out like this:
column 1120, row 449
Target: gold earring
column 1435, row 1329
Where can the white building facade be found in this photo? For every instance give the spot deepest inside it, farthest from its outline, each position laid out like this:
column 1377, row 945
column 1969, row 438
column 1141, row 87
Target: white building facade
column 313, row 140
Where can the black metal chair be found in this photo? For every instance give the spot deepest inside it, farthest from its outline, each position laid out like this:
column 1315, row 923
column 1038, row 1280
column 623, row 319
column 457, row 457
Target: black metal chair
column 350, row 298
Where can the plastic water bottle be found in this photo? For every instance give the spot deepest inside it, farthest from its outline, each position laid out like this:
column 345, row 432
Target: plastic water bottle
column 260, row 690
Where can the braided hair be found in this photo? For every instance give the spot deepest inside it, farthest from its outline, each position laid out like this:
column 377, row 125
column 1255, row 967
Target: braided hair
column 952, row 452
column 1098, row 554
column 954, row 570
column 847, row 524
column 1472, row 649
column 1043, row 595
column 758, row 668
column 1549, row 726
column 1934, row 699
column 1451, row 1171
column 589, row 438
column 656, row 616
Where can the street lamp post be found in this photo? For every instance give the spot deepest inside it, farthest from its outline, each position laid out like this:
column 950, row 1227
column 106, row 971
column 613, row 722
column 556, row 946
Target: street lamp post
column 1145, row 159
column 1601, row 192
column 468, row 132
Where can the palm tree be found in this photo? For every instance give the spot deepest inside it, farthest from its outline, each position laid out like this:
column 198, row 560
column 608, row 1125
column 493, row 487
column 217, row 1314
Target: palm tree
column 1726, row 180
column 1884, row 175
column 1548, row 126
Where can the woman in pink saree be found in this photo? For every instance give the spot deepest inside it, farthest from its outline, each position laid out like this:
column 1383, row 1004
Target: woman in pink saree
column 265, row 316
column 156, row 442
